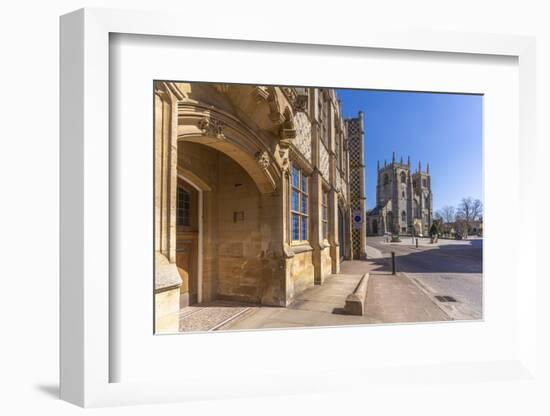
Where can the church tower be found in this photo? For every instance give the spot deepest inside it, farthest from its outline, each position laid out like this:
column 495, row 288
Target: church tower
column 403, row 199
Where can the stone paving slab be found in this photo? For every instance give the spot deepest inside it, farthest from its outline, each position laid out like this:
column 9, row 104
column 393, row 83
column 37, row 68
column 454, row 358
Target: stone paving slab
column 314, row 306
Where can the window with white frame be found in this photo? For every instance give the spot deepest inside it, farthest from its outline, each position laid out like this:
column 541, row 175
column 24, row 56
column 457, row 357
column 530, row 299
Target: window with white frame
column 299, row 206
column 324, row 204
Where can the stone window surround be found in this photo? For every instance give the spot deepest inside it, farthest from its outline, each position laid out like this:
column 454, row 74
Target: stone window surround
column 295, row 247
column 301, row 215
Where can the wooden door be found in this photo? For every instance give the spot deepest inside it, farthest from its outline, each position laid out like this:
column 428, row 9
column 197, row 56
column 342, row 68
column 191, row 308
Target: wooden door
column 187, row 242
column 186, row 261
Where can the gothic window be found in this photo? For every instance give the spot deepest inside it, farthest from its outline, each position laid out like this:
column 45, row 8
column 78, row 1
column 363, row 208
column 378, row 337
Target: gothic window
column 424, row 183
column 414, row 184
column 403, row 177
column 427, row 202
column 183, row 208
column 403, row 194
column 299, row 206
column 403, row 216
column 324, row 204
column 386, row 179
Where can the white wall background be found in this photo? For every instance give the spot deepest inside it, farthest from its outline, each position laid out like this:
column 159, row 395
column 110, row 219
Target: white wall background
column 29, row 205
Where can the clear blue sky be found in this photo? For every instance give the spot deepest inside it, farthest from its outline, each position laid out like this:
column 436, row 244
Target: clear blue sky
column 442, row 129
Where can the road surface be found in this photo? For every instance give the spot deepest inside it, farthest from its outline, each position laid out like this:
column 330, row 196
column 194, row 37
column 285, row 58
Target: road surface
column 449, row 272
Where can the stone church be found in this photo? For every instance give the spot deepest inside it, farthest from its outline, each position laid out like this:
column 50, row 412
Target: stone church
column 403, row 200
column 254, row 187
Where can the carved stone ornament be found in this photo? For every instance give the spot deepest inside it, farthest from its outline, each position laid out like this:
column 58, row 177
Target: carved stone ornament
column 282, row 158
column 211, row 127
column 300, row 104
column 263, row 159
column 298, row 97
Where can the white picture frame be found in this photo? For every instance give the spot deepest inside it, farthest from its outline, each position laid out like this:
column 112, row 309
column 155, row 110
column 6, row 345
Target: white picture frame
column 86, row 353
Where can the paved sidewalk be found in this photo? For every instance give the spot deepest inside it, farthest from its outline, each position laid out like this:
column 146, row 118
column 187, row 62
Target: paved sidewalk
column 390, row 299
column 374, row 253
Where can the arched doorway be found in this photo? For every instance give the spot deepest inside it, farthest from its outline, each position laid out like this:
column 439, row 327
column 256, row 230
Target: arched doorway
column 375, row 227
column 389, row 222
column 239, row 254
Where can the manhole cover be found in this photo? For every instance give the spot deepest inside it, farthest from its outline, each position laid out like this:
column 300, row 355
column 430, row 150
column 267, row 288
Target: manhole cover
column 445, row 298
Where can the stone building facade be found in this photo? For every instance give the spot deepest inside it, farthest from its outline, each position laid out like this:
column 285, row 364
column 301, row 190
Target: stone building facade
column 403, row 200
column 252, row 194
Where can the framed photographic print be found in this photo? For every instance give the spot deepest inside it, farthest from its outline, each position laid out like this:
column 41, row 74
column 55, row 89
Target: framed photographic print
column 287, row 214
column 261, row 207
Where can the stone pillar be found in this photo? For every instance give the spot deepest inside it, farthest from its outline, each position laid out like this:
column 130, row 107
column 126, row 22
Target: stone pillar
column 334, row 238
column 316, row 232
column 348, row 233
column 288, row 289
column 167, row 278
column 272, row 231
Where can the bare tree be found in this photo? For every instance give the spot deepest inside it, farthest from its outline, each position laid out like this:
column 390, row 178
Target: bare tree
column 477, row 210
column 468, row 211
column 447, row 214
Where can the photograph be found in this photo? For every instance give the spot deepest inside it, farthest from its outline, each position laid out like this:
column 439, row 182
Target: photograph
column 292, row 207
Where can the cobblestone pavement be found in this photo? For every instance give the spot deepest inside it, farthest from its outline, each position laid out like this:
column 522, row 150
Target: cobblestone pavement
column 209, row 317
column 449, row 268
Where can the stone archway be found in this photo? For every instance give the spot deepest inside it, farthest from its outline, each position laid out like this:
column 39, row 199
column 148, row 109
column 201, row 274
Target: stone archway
column 257, row 162
column 242, row 244
column 259, row 145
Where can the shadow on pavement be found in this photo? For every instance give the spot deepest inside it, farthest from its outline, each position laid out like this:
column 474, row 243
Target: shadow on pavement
column 443, row 259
